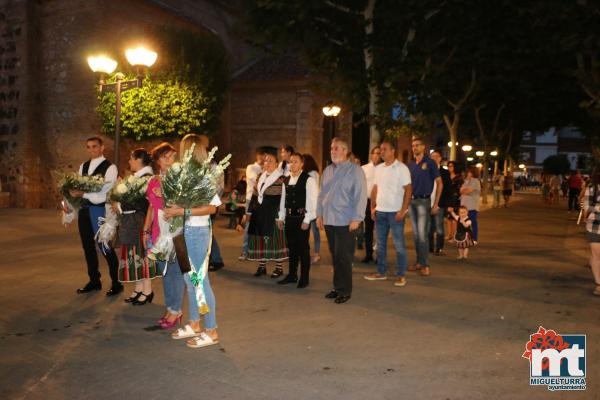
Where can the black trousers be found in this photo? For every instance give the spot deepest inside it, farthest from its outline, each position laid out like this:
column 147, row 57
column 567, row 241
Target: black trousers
column 299, row 248
column 574, row 199
column 86, row 233
column 369, row 227
column 341, row 246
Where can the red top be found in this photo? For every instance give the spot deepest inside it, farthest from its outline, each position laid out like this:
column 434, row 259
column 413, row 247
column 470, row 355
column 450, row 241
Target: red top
column 575, row 182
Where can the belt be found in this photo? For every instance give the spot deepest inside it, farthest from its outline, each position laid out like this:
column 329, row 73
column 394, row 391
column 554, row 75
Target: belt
column 427, row 196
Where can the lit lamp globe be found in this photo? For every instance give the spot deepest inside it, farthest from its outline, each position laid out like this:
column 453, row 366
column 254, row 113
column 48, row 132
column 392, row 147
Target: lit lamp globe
column 469, row 158
column 479, row 165
column 522, row 166
column 450, row 144
column 141, row 56
column 467, row 148
column 331, row 110
column 493, row 153
column 479, row 153
column 102, row 64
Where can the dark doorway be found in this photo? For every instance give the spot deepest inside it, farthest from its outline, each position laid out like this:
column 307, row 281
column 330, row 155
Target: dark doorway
column 360, row 137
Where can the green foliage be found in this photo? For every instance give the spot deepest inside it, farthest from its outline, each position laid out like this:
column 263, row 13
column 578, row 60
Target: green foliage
column 184, row 94
column 557, row 165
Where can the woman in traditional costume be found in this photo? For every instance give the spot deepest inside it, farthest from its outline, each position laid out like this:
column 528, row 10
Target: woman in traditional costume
column 133, row 265
column 266, row 239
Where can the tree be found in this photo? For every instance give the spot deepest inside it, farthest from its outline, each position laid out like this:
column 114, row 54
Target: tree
column 345, row 42
column 557, row 165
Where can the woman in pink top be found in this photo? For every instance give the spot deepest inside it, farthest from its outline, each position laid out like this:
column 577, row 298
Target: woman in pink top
column 163, row 157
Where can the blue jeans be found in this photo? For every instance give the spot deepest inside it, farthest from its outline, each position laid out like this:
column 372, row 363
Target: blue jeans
column 316, row 235
column 473, row 218
column 196, row 240
column 173, row 285
column 437, row 228
column 215, row 252
column 386, row 221
column 420, row 216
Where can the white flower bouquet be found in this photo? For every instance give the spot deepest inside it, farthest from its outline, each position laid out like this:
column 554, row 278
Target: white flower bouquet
column 68, row 181
column 187, row 184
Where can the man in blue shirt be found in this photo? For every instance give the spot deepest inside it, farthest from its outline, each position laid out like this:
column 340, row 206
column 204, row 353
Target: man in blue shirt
column 423, row 172
column 340, row 210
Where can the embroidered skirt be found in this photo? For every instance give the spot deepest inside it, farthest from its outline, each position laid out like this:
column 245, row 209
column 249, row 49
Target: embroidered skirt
column 134, row 265
column 268, row 248
column 463, row 241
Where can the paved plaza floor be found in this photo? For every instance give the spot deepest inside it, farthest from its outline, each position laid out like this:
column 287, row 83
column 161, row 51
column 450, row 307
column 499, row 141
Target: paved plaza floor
column 458, row 334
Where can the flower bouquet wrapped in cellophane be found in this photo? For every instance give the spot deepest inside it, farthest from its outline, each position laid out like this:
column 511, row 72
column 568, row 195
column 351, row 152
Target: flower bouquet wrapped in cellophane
column 67, row 181
column 189, row 184
column 130, row 193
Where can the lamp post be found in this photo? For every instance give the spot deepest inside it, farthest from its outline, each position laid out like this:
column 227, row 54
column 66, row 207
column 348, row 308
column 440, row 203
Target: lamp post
column 330, row 112
column 139, row 57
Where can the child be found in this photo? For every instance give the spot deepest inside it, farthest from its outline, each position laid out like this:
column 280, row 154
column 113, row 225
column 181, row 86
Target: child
column 463, row 236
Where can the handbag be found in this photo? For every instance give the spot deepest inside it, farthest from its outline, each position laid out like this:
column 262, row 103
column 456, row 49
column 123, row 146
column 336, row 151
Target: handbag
column 182, row 254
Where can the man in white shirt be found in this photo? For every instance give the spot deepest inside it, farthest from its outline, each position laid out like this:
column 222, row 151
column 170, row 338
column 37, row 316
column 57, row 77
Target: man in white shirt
column 89, row 213
column 369, row 170
column 392, row 191
column 253, row 172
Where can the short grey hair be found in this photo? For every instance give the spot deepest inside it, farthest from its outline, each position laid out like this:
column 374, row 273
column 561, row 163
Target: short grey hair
column 341, row 142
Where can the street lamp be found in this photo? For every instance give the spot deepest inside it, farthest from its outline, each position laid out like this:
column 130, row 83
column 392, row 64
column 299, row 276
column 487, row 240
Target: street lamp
column 469, row 158
column 330, row 111
column 467, row 147
column 522, row 166
column 493, row 153
column 139, row 57
column 450, row 144
column 479, row 153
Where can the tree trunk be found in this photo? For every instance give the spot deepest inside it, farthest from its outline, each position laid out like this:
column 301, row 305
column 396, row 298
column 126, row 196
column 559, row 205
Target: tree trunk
column 452, row 127
column 372, row 86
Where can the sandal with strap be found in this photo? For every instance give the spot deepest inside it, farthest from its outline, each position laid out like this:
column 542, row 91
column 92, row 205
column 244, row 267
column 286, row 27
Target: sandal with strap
column 186, row 332
column 201, row 340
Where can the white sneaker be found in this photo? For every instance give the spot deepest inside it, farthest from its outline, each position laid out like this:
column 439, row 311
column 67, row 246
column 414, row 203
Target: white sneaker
column 314, row 259
column 242, row 257
column 375, row 277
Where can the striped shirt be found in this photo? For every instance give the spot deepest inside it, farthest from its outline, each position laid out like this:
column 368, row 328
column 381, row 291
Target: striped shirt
column 591, row 205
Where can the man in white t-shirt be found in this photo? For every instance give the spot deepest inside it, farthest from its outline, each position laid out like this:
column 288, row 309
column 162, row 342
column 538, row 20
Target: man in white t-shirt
column 390, row 198
column 253, row 171
column 369, row 170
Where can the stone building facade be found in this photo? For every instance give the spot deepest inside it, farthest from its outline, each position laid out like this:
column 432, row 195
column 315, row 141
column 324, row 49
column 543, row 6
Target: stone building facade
column 48, row 99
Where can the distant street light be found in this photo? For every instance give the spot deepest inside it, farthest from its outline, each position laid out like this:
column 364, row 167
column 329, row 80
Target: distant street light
column 479, row 165
column 330, row 111
column 493, row 153
column 469, row 158
column 467, row 147
column 139, row 57
column 479, row 153
column 522, row 166
column 450, row 144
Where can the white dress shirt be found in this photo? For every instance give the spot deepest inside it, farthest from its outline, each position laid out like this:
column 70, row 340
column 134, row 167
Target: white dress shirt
column 390, row 181
column 286, row 170
column 312, row 193
column 369, row 170
column 109, row 178
column 267, row 180
column 144, row 171
column 253, row 171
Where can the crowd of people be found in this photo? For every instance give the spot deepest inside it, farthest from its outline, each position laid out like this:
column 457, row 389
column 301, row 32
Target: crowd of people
column 284, row 199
